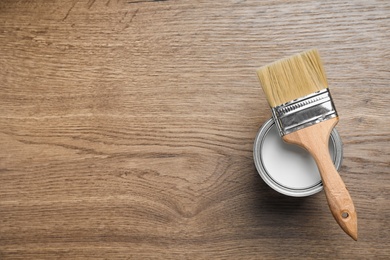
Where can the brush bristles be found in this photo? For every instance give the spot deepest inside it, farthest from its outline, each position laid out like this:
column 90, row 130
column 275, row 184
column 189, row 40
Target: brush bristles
column 292, row 78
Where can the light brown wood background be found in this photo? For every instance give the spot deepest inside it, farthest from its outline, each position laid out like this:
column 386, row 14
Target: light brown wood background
column 126, row 128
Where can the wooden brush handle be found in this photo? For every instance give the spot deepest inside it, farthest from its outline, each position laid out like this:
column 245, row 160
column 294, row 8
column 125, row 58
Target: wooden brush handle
column 315, row 139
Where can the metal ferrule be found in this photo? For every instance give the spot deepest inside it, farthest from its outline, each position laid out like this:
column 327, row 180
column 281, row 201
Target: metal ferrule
column 304, row 112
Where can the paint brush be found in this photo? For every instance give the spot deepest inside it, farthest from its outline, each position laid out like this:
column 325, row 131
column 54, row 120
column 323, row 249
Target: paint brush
column 297, row 91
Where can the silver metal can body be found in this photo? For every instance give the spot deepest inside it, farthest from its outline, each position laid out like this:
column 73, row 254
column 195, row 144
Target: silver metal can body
column 287, row 168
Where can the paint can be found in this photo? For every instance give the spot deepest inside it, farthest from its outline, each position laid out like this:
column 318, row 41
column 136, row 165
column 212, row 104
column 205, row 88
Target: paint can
column 287, row 168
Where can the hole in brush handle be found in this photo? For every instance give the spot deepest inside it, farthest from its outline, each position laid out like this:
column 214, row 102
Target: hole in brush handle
column 345, row 215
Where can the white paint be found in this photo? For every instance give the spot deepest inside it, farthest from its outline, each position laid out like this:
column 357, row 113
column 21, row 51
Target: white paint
column 289, row 165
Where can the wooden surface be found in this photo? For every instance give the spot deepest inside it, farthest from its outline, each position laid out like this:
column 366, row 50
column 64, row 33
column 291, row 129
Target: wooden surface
column 126, row 128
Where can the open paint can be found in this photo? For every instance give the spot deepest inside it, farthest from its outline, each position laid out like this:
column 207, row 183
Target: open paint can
column 287, row 168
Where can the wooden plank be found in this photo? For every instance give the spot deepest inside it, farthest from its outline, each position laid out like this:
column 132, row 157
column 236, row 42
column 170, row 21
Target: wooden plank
column 126, row 128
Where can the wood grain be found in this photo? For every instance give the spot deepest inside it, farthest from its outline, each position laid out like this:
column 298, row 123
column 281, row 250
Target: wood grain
column 126, row 128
